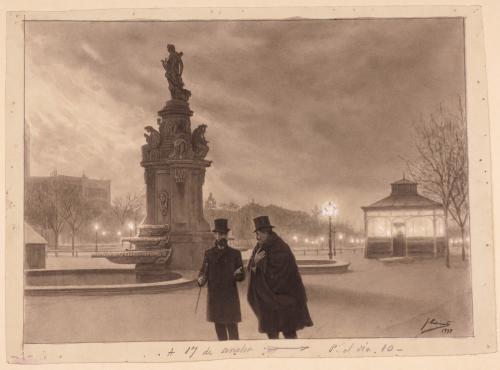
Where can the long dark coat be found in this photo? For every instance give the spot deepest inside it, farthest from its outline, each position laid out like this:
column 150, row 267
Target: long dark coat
column 223, row 302
column 276, row 292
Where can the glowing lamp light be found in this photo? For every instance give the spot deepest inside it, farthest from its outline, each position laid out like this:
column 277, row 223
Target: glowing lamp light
column 295, row 239
column 351, row 240
column 131, row 226
column 322, row 239
column 103, row 233
column 341, row 236
column 330, row 210
column 96, row 227
column 119, row 233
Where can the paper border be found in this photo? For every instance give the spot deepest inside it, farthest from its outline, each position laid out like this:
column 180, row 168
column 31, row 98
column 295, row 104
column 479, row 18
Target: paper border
column 482, row 263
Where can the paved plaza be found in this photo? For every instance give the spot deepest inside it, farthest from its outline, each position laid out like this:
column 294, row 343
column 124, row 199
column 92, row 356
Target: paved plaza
column 372, row 300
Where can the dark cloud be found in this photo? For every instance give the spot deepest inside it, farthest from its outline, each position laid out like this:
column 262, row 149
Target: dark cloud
column 298, row 111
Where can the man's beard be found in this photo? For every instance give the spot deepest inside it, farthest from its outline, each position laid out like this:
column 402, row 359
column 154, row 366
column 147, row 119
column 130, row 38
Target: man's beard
column 221, row 243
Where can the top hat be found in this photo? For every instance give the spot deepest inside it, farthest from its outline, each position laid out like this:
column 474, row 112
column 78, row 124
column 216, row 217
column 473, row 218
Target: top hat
column 262, row 222
column 220, row 226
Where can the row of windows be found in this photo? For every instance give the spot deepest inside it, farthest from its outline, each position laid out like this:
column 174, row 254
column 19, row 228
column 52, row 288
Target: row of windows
column 96, row 193
column 414, row 227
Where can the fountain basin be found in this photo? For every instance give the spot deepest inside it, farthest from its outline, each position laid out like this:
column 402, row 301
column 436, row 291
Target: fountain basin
column 103, row 281
column 135, row 256
column 322, row 266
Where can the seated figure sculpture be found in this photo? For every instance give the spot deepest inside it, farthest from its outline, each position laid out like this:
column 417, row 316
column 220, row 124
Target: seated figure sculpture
column 199, row 143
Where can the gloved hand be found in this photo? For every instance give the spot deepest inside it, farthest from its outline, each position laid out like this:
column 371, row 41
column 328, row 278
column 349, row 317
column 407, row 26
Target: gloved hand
column 239, row 274
column 201, row 280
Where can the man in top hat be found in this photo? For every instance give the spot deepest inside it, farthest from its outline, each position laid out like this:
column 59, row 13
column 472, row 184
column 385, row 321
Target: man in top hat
column 276, row 292
column 222, row 268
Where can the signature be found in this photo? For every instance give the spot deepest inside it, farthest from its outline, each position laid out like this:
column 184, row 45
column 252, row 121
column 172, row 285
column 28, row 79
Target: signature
column 433, row 324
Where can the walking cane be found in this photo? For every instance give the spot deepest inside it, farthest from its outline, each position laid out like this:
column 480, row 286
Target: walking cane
column 197, row 301
column 199, row 292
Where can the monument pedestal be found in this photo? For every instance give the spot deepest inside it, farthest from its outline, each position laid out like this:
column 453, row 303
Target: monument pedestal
column 174, row 176
column 189, row 249
column 174, row 233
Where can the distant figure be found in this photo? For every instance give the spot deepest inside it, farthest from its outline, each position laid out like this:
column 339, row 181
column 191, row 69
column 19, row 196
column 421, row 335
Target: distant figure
column 276, row 292
column 222, row 268
column 173, row 72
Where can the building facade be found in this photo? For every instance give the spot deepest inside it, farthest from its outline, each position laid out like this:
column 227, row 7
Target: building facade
column 96, row 192
column 404, row 224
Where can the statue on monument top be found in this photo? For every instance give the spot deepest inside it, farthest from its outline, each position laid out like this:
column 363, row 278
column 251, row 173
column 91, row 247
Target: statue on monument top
column 173, row 72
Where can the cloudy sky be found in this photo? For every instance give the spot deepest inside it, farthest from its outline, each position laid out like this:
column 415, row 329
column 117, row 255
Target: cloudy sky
column 298, row 112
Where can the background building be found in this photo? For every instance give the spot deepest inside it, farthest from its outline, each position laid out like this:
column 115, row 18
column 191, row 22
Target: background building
column 404, row 224
column 97, row 192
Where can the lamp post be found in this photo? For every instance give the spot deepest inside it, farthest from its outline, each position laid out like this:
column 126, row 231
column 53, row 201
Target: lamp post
column 330, row 210
column 96, row 228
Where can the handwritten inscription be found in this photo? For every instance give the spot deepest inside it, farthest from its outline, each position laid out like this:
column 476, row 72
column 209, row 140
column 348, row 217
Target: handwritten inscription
column 274, row 349
column 191, row 351
column 365, row 348
column 236, row 350
column 433, row 324
column 208, row 351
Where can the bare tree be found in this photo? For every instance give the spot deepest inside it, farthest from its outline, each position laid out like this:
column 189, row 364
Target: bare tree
column 35, row 207
column 459, row 209
column 128, row 207
column 43, row 207
column 438, row 169
column 138, row 208
column 76, row 211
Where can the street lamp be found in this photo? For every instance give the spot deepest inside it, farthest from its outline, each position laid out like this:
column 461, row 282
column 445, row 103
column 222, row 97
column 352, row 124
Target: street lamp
column 130, row 227
column 330, row 210
column 96, row 228
column 119, row 233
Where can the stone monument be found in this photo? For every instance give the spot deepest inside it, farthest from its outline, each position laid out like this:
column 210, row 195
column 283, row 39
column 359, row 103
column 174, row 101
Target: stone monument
column 174, row 233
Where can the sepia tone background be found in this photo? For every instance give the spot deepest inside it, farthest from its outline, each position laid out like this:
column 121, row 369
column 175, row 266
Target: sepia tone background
column 317, row 109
